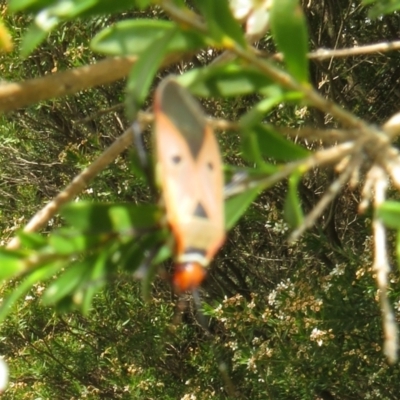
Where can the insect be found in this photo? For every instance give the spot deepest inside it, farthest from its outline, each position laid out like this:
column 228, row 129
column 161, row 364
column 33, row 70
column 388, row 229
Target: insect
column 189, row 173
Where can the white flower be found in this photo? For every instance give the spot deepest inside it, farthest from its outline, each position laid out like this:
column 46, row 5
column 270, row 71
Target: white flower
column 3, row 375
column 255, row 13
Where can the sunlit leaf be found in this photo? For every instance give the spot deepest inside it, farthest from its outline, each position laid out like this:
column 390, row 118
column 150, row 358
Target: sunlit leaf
column 6, row 43
column 132, row 37
column 289, row 30
column 389, row 212
column 382, row 7
column 155, row 256
column 96, row 280
column 293, row 211
column 29, row 5
column 32, row 240
column 100, row 217
column 65, row 284
column 274, row 96
column 221, row 24
column 270, row 144
column 225, row 80
column 144, row 71
column 11, row 263
column 236, row 206
column 32, row 38
column 68, row 241
column 23, row 287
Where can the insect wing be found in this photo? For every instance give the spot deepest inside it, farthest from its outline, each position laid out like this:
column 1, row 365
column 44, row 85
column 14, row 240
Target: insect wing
column 189, row 171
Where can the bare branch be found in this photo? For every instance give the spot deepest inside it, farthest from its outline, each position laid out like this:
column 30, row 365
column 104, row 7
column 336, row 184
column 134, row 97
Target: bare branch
column 382, row 268
column 322, row 157
column 41, row 218
column 322, row 54
column 328, row 196
column 17, row 95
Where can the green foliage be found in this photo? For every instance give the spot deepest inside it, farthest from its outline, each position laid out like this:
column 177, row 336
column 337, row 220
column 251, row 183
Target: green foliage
column 298, row 321
column 144, row 71
column 389, row 212
column 268, row 143
column 288, row 26
column 293, row 212
column 132, row 37
column 225, row 80
column 222, row 27
column 382, row 7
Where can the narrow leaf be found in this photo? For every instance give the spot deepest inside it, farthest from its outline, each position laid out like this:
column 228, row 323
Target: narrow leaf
column 39, row 275
column 133, row 37
column 274, row 145
column 389, row 212
column 225, row 80
column 222, row 26
column 292, row 208
column 143, row 72
column 64, row 284
column 107, row 218
column 32, row 38
column 289, row 30
column 12, row 264
column 236, row 206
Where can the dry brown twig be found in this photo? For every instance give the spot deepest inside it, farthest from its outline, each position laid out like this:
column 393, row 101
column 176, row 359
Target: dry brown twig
column 41, row 218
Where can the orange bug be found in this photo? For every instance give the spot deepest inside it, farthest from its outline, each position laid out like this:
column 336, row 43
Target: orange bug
column 189, row 173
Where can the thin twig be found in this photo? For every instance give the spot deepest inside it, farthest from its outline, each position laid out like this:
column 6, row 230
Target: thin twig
column 41, row 218
column 322, row 157
column 328, row 196
column 17, row 95
column 382, row 268
column 384, row 47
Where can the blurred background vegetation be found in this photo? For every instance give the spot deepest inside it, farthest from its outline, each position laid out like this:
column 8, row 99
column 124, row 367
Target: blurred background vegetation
column 296, row 321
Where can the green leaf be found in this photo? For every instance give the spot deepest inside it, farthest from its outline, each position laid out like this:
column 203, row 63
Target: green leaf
column 131, row 255
column 270, row 144
column 292, row 208
column 142, row 4
column 28, row 5
column 221, row 24
column 289, row 30
column 65, row 284
column 70, row 9
column 389, row 213
column 91, row 286
column 251, row 150
column 151, row 266
column 274, row 97
column 382, row 7
column 225, row 80
column 128, row 217
column 32, row 38
column 236, row 206
column 12, row 263
column 133, row 37
column 36, row 276
column 32, row 240
column 99, row 217
column 68, row 241
column 144, row 71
